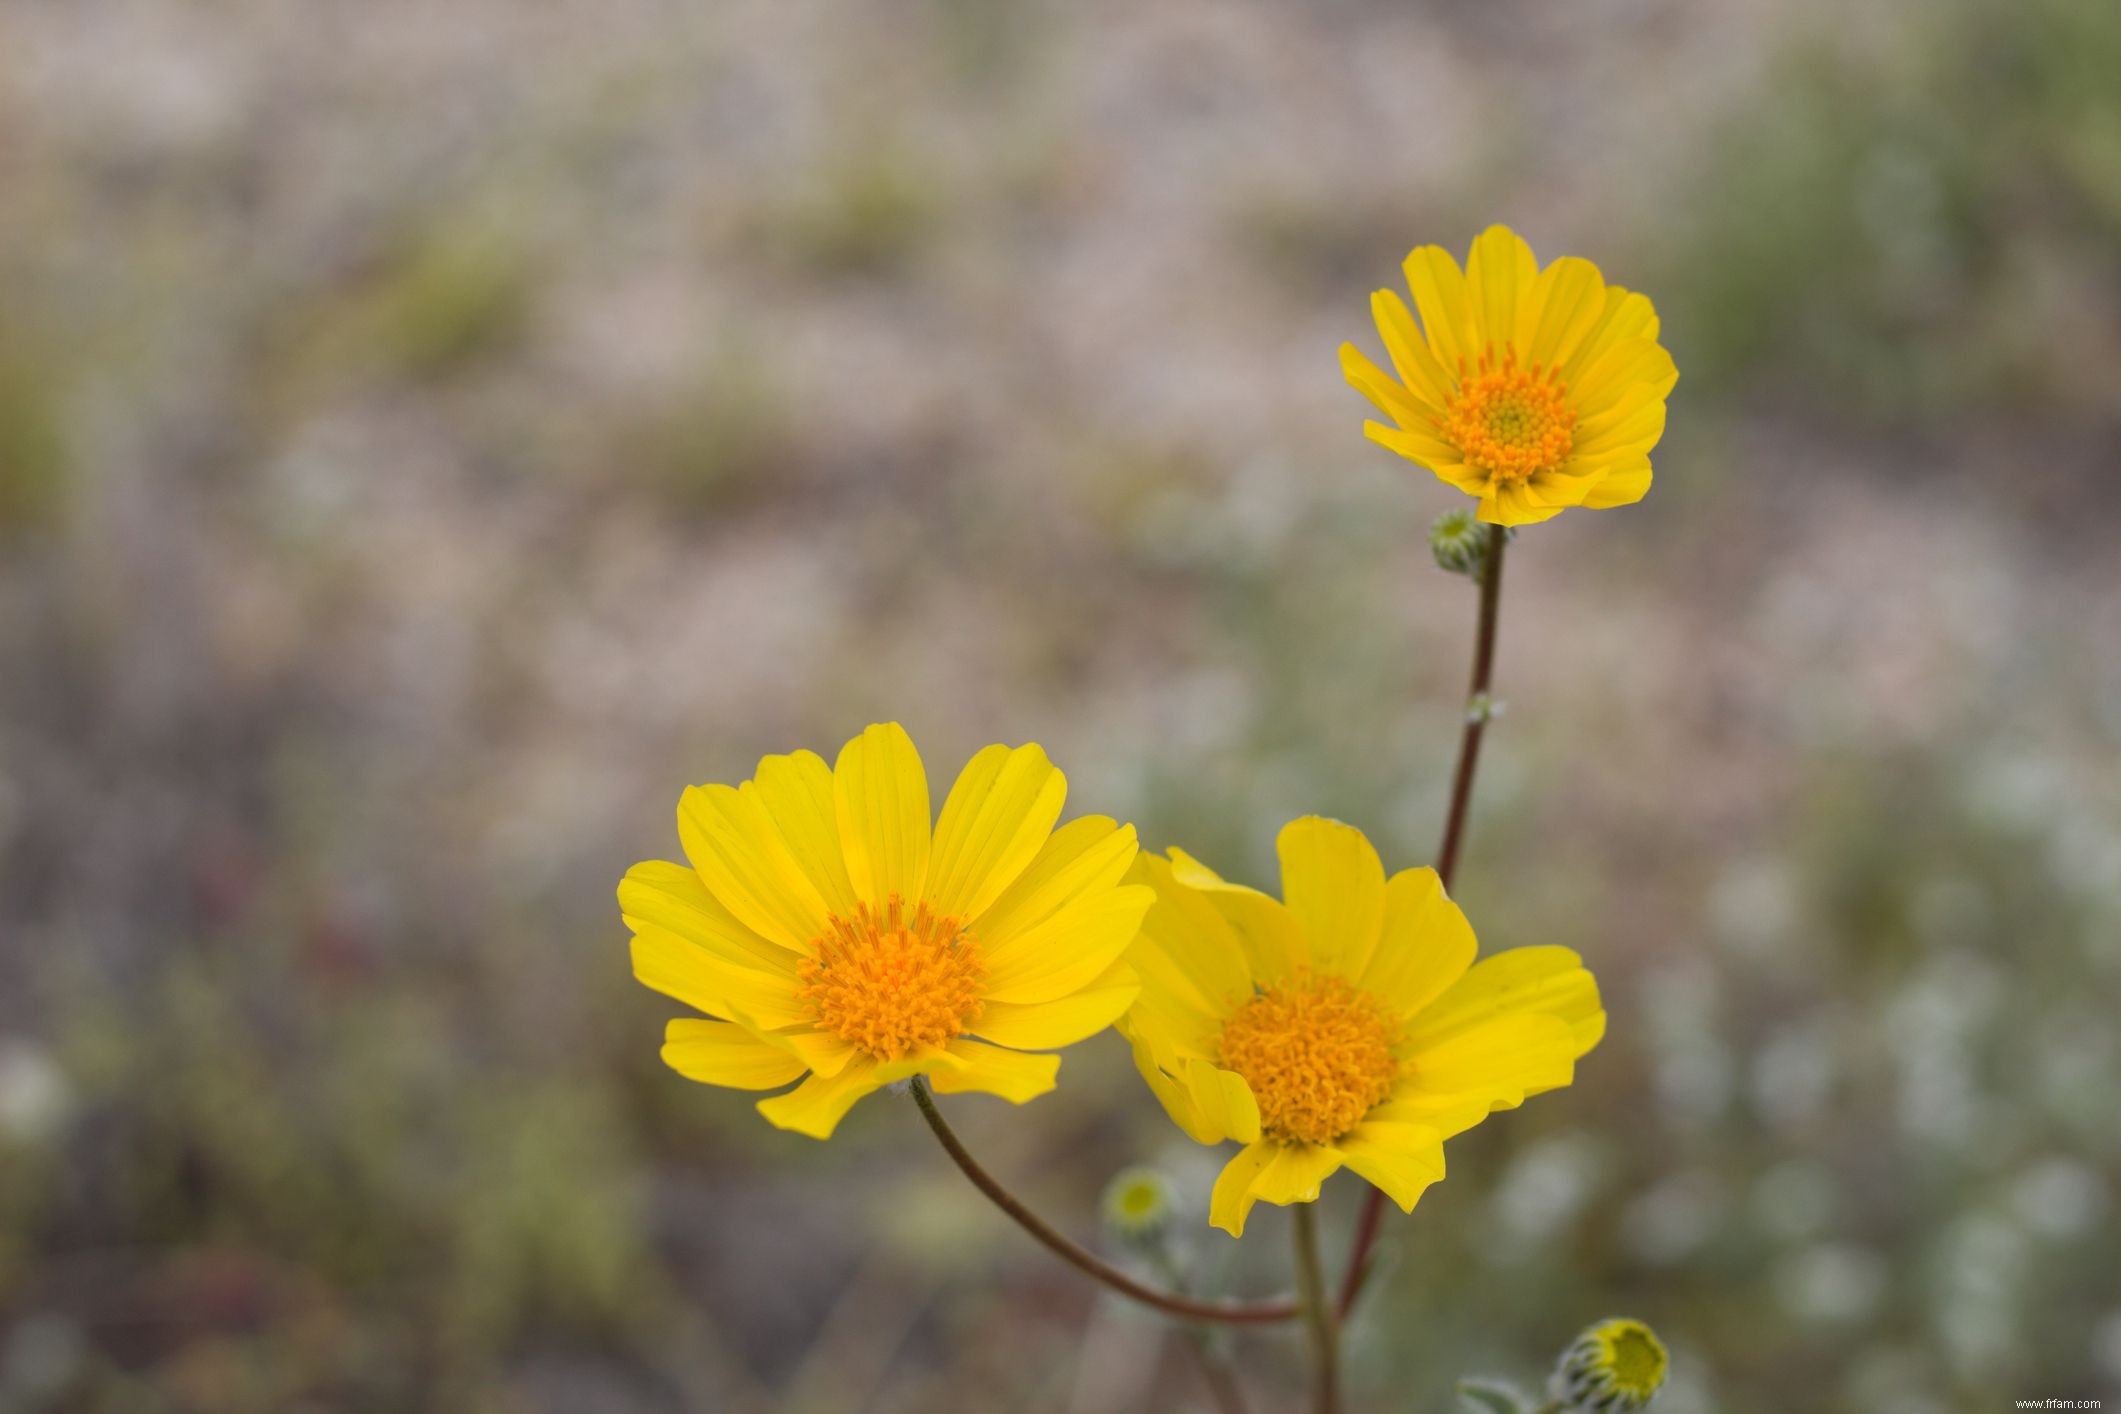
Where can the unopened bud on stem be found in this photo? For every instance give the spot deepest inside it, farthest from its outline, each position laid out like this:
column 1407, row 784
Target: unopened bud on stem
column 1459, row 540
column 1614, row 1366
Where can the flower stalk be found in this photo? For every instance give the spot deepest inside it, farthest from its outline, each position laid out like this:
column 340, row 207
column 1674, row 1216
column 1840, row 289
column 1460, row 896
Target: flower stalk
column 1078, row 1256
column 1319, row 1312
column 1478, row 714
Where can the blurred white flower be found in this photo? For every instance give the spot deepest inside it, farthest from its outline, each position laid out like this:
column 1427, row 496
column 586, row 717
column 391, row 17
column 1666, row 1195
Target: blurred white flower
column 1833, row 1283
column 1672, row 1220
column 1981, row 1269
column 2060, row 1198
column 1794, row 1200
column 34, row 1093
column 1543, row 1190
column 39, row 1358
column 1794, row 1073
column 2106, row 1345
column 1693, row 1068
column 1753, row 906
column 1892, row 1382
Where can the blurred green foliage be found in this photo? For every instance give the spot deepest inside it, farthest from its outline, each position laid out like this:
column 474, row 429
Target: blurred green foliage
column 1899, row 233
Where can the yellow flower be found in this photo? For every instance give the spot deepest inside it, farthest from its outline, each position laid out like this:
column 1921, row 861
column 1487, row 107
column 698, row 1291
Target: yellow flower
column 1535, row 390
column 1347, row 1024
column 830, row 932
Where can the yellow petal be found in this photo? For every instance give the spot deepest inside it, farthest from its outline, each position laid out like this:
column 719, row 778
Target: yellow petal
column 1566, row 302
column 1445, row 1114
column 816, row 1106
column 1639, row 368
column 732, row 841
column 1273, row 941
column 1295, row 1173
column 671, row 897
column 1401, row 1159
column 1041, row 1025
column 1387, row 395
column 796, row 792
column 1171, row 1093
column 1423, row 449
column 1226, row 1104
column 1625, row 432
column 1439, row 291
column 1505, row 1060
column 821, row 1051
column 1627, row 316
column 1499, row 274
column 1425, row 944
column 1332, row 881
column 720, row 1053
column 1081, row 858
column 1512, row 505
column 1231, row 1202
column 1562, row 489
column 995, row 821
column 1163, row 1012
column 1016, row 1076
column 1622, row 486
column 676, row 968
column 1068, row 951
column 1427, row 384
column 1195, row 956
column 1549, row 981
column 881, row 794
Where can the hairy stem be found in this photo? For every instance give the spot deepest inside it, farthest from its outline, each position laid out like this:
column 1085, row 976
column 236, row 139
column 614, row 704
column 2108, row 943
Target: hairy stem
column 1216, row 1372
column 1319, row 1313
column 1454, row 829
column 1080, row 1257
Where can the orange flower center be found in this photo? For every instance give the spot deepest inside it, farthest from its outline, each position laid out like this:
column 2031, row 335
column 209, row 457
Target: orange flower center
column 892, row 984
column 1317, row 1054
column 1511, row 422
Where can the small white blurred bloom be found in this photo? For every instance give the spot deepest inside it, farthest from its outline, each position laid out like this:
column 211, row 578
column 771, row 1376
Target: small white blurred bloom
column 34, row 1094
column 1833, row 1283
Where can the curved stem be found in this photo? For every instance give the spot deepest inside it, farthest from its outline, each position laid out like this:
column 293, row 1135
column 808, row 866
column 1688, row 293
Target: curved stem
column 1080, row 1257
column 1454, row 829
column 1318, row 1312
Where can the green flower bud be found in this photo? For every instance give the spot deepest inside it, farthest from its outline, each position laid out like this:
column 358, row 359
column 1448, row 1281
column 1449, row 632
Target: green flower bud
column 1137, row 1205
column 1459, row 540
column 1615, row 1365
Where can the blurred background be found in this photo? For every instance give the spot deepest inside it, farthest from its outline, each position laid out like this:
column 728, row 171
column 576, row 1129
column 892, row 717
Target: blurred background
column 432, row 436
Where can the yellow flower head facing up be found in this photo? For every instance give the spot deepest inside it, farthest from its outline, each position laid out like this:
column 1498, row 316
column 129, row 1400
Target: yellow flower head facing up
column 1345, row 1023
column 1535, row 390
column 832, row 931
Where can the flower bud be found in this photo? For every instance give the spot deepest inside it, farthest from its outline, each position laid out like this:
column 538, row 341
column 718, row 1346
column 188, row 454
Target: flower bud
column 1460, row 542
column 1137, row 1206
column 1615, row 1365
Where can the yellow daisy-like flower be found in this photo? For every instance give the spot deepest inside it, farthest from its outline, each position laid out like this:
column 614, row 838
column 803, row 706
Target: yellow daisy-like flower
column 833, row 931
column 1535, row 390
column 1345, row 1024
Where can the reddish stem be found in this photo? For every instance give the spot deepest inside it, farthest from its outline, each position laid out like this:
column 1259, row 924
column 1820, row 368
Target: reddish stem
column 1454, row 829
column 1080, row 1257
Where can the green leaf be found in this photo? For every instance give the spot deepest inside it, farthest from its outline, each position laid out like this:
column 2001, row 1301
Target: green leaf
column 1490, row 1397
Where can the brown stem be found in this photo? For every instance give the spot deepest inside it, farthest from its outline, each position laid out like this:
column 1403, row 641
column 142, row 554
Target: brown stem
column 1454, row 829
column 1318, row 1312
column 1079, row 1257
